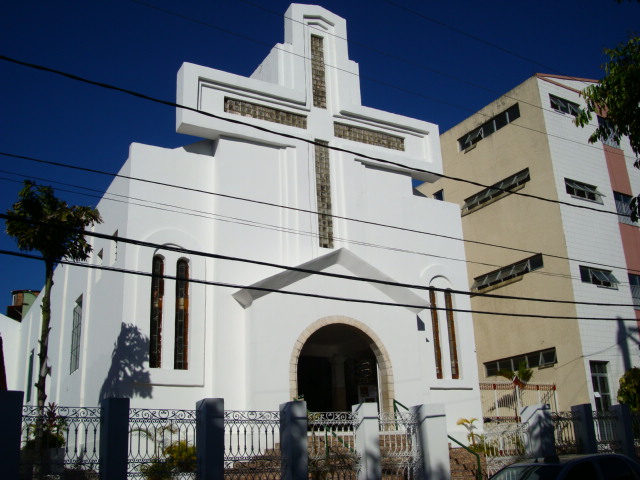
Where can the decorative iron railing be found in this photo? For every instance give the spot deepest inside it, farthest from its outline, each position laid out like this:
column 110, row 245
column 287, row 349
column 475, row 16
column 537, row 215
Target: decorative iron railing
column 58, row 439
column 564, row 430
column 400, row 454
column 606, row 431
column 502, row 400
column 331, row 442
column 504, row 443
column 162, row 443
column 251, row 444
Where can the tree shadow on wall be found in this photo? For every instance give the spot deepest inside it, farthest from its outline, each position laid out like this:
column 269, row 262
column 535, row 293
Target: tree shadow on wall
column 127, row 376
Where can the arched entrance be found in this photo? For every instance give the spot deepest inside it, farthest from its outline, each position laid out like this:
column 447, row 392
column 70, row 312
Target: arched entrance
column 338, row 364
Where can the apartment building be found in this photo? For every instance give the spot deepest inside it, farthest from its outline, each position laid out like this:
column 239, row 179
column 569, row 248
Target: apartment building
column 547, row 218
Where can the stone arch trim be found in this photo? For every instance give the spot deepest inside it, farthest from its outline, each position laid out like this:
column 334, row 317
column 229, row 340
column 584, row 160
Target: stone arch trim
column 386, row 387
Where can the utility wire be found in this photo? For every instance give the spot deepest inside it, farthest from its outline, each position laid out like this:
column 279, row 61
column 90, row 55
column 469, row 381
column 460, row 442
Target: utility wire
column 314, row 295
column 198, row 253
column 291, row 136
column 301, row 210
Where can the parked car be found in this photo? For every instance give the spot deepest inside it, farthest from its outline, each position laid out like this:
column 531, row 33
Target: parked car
column 605, row 466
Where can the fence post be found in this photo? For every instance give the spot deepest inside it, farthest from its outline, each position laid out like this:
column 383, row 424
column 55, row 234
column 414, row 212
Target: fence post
column 433, row 441
column 624, row 429
column 11, row 428
column 210, row 439
column 114, row 438
column 368, row 441
column 584, row 428
column 293, row 441
column 540, row 441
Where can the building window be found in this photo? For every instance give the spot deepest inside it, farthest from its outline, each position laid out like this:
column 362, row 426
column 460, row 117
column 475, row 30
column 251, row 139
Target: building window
column 600, row 385
column 601, row 278
column 451, row 330
column 492, row 125
column 439, row 195
column 155, row 324
column 323, row 194
column 603, row 123
column 634, row 283
column 496, row 190
column 623, row 206
column 564, row 106
column 75, row 336
column 583, row 190
column 436, row 333
column 538, row 359
column 509, row 272
column 180, row 358
column 30, row 376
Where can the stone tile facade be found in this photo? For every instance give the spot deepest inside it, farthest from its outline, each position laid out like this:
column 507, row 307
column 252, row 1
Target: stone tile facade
column 323, row 192
column 261, row 112
column 318, row 79
column 368, row 136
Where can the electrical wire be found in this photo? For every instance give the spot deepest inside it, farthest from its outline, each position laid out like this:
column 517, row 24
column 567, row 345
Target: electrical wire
column 315, row 295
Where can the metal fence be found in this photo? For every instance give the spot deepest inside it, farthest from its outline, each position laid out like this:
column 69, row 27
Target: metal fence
column 606, row 435
column 504, row 443
column 162, row 443
column 331, row 442
column 57, row 440
column 400, row 455
column 251, row 444
column 564, row 429
column 503, row 400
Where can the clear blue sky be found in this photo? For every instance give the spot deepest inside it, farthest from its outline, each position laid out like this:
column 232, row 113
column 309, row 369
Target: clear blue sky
column 442, row 61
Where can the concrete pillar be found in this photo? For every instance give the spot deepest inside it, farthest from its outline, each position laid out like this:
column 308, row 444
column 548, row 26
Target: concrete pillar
column 368, row 441
column 540, row 441
column 624, row 429
column 584, row 428
column 114, row 438
column 11, row 428
column 210, row 439
column 433, row 441
column 293, row 441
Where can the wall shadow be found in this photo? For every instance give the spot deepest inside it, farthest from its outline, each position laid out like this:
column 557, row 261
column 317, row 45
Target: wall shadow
column 624, row 336
column 127, row 376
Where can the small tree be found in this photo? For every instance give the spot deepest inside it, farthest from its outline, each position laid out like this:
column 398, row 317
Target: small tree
column 39, row 221
column 617, row 96
column 629, row 391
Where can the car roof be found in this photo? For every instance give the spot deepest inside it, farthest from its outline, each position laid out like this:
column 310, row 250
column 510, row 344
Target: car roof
column 563, row 459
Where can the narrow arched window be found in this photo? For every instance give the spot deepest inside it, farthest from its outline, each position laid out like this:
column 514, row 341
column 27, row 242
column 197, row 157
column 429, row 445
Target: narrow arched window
column 180, row 356
column 436, row 333
column 155, row 327
column 451, row 330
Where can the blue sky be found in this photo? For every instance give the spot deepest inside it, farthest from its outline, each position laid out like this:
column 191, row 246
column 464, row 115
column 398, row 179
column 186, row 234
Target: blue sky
column 438, row 61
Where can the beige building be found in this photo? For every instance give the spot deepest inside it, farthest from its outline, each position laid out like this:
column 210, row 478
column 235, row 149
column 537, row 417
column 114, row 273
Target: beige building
column 526, row 145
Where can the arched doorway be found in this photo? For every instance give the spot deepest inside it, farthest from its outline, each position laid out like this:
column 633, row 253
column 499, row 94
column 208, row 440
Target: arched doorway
column 338, row 365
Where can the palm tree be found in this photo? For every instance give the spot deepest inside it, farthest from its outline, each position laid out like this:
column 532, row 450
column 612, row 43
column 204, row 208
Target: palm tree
column 519, row 378
column 40, row 221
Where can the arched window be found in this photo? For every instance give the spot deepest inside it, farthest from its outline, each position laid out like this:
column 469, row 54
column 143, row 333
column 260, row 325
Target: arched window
column 451, row 330
column 436, row 333
column 155, row 327
column 181, row 350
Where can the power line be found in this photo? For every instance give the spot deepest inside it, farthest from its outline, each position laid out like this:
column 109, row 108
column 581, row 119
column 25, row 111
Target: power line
column 308, row 211
column 314, row 295
column 217, row 256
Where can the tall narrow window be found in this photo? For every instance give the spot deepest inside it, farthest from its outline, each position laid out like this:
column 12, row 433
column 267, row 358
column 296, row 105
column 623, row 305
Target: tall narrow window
column 436, row 333
column 30, row 376
column 323, row 194
column 75, row 336
column 180, row 359
column 319, row 83
column 155, row 327
column 451, row 330
column 600, row 383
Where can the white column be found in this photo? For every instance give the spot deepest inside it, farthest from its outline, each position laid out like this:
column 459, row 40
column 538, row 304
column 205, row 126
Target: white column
column 368, row 441
column 433, row 441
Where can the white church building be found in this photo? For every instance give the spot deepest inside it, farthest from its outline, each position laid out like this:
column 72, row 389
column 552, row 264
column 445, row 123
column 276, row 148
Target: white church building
column 285, row 255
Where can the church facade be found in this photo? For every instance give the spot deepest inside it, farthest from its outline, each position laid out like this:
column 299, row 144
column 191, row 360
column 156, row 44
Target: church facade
column 286, row 255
